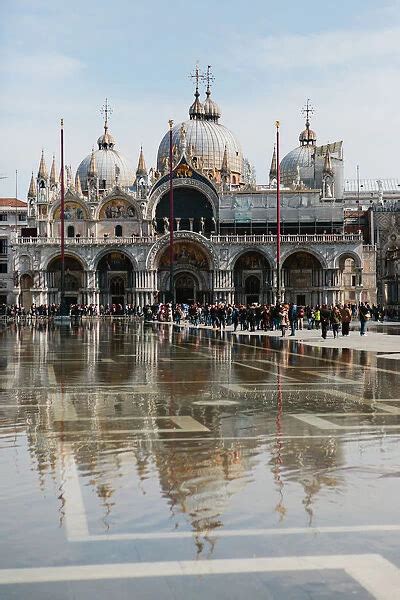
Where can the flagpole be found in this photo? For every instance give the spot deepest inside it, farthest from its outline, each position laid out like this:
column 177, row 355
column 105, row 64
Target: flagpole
column 171, row 216
column 62, row 290
column 278, row 218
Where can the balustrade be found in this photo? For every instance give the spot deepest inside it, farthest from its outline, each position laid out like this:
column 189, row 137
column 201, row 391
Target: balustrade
column 222, row 239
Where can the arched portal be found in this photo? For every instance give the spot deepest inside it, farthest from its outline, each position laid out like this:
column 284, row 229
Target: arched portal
column 302, row 279
column 114, row 277
column 26, row 285
column 252, row 278
column 192, row 211
column 74, row 280
column 192, row 281
column 349, row 279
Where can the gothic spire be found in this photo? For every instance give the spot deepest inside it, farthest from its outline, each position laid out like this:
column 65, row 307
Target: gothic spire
column 273, row 171
column 78, row 187
column 42, row 168
column 225, row 170
column 92, row 172
column 141, row 170
column 53, row 180
column 32, row 188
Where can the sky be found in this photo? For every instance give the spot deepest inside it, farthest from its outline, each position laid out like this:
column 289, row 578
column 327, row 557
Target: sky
column 62, row 59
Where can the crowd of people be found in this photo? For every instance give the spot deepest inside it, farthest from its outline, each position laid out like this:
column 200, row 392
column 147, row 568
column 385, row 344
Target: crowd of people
column 288, row 318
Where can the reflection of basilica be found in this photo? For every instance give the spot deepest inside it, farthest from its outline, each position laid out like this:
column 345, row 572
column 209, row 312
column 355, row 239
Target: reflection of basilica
column 220, row 214
column 109, row 417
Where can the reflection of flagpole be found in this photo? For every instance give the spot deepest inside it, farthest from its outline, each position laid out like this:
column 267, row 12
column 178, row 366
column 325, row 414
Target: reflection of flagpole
column 280, row 508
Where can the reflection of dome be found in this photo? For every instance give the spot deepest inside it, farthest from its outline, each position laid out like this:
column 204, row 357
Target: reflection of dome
column 109, row 165
column 205, row 140
column 302, row 157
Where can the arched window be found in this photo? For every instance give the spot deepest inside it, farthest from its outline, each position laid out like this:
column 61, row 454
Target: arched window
column 71, row 231
column 118, row 231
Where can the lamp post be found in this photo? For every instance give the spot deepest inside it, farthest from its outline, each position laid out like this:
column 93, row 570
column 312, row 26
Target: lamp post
column 171, row 216
column 278, row 218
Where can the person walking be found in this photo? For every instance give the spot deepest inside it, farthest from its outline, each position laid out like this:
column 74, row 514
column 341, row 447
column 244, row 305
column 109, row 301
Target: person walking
column 317, row 317
column 292, row 318
column 345, row 312
column 325, row 320
column 335, row 321
column 300, row 317
column 364, row 314
column 283, row 320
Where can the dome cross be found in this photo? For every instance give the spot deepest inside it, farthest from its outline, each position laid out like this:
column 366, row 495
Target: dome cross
column 106, row 111
column 307, row 110
column 208, row 78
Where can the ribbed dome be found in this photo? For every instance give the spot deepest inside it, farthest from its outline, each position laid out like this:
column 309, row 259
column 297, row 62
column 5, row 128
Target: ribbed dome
column 106, row 160
column 211, row 109
column 196, row 111
column 106, row 140
column 206, row 140
column 308, row 136
column 302, row 157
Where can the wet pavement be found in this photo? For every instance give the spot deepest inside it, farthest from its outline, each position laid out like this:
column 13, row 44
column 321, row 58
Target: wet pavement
column 146, row 461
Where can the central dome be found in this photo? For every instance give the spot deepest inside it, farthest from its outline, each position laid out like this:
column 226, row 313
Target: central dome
column 208, row 145
column 205, row 140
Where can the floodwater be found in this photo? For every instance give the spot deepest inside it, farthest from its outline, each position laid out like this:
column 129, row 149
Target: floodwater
column 149, row 461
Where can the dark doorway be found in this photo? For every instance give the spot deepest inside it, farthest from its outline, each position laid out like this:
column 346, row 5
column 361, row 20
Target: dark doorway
column 301, row 299
column 184, row 289
column 118, row 300
column 70, row 300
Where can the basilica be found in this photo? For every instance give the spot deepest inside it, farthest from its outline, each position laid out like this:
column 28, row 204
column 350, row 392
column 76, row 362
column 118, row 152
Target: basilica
column 117, row 224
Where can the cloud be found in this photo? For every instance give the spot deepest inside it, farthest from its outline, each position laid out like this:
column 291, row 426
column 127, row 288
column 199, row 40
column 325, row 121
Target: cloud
column 46, row 66
column 316, row 50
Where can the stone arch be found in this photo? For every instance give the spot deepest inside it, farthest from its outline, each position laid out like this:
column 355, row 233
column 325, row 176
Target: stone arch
column 115, row 276
column 302, row 277
column 340, row 258
column 252, row 276
column 158, row 248
column 204, row 188
column 112, row 199
column 74, row 278
column 242, row 251
column 114, row 248
column 75, row 203
column 349, row 275
column 289, row 252
column 69, row 253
